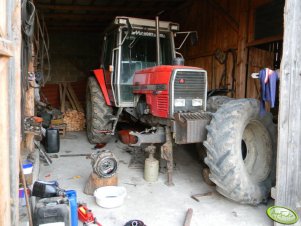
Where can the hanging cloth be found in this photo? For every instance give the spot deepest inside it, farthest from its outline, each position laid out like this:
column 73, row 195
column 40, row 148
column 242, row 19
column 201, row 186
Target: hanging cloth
column 268, row 82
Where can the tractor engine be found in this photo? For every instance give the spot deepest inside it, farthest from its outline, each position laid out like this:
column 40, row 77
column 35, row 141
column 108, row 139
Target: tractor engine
column 176, row 96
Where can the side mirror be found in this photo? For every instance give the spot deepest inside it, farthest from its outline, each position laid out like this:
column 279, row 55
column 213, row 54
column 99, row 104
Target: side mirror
column 193, row 38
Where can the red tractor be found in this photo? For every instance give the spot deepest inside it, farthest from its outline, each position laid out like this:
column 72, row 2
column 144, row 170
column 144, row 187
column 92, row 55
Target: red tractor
column 141, row 77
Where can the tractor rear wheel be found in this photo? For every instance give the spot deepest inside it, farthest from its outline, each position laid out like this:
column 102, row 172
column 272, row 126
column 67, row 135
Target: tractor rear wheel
column 241, row 151
column 97, row 113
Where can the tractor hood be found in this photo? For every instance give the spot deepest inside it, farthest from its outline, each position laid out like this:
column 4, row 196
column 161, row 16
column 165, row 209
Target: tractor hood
column 157, row 75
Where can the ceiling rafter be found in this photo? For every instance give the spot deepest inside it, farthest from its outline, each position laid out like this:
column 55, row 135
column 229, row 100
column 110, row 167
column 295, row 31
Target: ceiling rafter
column 94, row 8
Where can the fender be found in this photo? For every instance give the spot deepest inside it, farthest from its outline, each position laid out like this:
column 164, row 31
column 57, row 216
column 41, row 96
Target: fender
column 101, row 80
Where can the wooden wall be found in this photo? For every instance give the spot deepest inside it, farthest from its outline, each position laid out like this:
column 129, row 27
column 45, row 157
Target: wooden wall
column 50, row 93
column 219, row 26
column 257, row 60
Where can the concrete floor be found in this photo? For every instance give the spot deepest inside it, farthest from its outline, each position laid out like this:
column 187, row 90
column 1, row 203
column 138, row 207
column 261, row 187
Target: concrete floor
column 153, row 203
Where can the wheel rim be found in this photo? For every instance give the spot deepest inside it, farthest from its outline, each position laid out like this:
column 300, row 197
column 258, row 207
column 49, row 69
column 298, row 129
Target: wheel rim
column 256, row 147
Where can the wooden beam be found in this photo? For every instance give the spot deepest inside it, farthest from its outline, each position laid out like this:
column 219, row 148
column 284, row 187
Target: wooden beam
column 14, row 91
column 62, row 16
column 242, row 51
column 258, row 3
column 73, row 96
column 288, row 180
column 228, row 17
column 4, row 144
column 10, row 122
column 74, row 28
column 265, row 40
column 89, row 17
column 95, row 8
column 6, row 47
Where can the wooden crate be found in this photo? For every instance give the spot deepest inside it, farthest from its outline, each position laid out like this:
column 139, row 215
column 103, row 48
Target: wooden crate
column 61, row 128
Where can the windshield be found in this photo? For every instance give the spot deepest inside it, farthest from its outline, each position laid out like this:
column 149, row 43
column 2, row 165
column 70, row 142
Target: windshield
column 141, row 46
column 138, row 52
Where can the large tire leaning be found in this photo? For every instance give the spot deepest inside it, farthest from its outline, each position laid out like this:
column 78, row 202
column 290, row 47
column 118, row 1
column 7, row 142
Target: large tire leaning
column 97, row 113
column 215, row 102
column 241, row 151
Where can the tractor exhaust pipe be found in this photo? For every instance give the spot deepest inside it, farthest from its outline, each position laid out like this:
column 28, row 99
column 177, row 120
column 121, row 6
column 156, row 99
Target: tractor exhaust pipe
column 158, row 41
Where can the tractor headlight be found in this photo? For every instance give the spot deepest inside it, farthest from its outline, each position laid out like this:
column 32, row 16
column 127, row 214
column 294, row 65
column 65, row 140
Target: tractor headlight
column 197, row 102
column 180, row 102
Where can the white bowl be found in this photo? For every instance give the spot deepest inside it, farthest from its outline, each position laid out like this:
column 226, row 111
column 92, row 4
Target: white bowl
column 110, row 196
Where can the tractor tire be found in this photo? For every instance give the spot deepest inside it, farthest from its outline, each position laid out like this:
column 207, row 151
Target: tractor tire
column 214, row 102
column 241, row 151
column 202, row 153
column 97, row 113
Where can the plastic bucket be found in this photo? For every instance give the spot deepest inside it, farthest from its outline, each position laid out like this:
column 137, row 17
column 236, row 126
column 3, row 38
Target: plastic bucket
column 27, row 167
column 110, row 196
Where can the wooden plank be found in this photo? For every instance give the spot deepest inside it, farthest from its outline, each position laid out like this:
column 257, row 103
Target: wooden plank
column 265, row 40
column 79, row 107
column 94, row 8
column 28, row 112
column 242, row 52
column 63, row 98
column 4, row 144
column 69, row 96
column 61, row 93
column 13, row 12
column 77, row 16
column 288, row 181
column 68, row 29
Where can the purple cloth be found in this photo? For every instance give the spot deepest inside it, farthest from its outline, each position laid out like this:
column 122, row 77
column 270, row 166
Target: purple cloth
column 268, row 89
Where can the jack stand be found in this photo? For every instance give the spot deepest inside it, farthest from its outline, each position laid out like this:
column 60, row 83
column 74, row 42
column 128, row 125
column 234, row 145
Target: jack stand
column 167, row 154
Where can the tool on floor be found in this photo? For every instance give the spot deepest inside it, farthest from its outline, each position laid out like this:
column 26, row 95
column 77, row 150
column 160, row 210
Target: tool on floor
column 26, row 195
column 195, row 197
column 43, row 153
column 188, row 217
column 86, row 216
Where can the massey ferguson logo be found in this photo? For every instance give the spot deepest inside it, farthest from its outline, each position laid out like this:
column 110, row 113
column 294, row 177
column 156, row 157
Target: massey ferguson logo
column 146, row 33
column 181, row 81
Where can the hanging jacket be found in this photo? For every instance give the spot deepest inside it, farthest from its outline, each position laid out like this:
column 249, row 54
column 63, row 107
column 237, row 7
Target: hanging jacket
column 268, row 82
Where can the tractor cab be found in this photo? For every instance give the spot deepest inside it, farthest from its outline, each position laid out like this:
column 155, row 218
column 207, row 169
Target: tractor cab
column 130, row 46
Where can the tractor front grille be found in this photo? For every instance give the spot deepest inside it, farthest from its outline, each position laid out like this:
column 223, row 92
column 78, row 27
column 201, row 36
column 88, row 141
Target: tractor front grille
column 189, row 85
column 194, row 84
